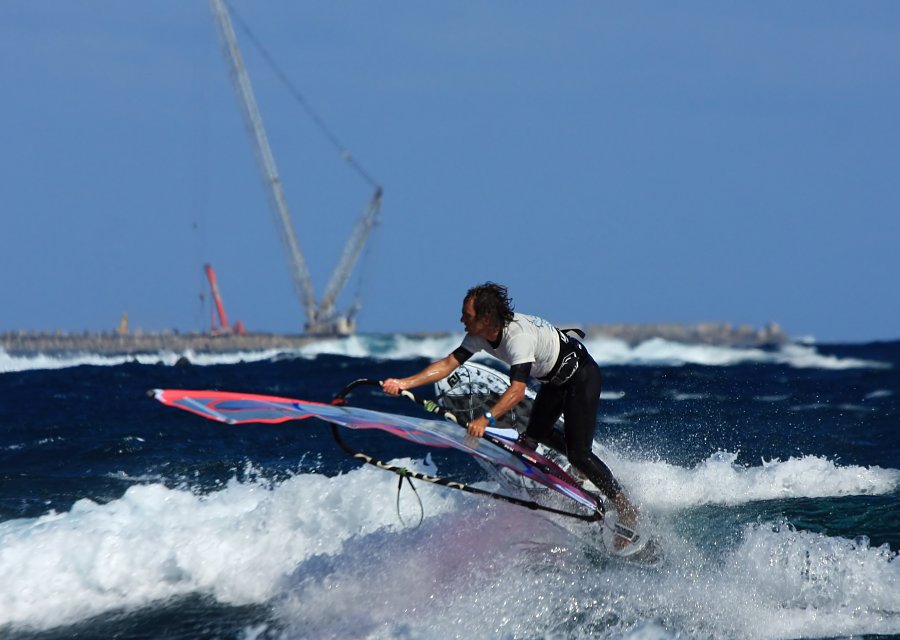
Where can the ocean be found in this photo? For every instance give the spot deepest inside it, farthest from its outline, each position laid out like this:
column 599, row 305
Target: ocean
column 771, row 478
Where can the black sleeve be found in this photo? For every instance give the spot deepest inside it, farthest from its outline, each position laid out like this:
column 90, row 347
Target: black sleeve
column 461, row 354
column 520, row 372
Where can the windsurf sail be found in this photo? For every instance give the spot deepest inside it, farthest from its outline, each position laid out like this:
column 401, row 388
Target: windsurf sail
column 242, row 408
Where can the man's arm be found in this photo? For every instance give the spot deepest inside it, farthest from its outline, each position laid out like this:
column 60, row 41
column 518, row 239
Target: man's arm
column 432, row 373
column 510, row 398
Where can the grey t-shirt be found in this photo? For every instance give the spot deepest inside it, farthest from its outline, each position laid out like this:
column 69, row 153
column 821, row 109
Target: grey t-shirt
column 525, row 339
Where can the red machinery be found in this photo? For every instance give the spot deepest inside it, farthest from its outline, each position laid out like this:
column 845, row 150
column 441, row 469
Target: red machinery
column 222, row 327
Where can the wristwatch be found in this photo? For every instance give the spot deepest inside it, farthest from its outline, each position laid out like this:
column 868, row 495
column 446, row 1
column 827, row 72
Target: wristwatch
column 490, row 418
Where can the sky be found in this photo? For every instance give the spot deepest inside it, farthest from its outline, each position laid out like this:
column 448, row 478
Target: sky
column 610, row 162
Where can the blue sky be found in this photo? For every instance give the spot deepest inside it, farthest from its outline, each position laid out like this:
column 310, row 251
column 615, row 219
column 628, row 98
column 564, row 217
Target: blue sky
column 609, row 162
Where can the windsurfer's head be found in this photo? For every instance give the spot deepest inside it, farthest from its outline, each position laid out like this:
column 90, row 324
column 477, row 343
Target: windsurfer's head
column 487, row 308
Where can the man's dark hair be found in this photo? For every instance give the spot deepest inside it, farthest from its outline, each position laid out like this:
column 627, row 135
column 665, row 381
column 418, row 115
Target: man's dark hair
column 491, row 300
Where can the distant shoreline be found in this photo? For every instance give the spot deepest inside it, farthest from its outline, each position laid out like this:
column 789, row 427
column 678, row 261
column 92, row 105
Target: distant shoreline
column 52, row 343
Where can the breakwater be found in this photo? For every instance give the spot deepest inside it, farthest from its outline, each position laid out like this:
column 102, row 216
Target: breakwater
column 717, row 333
column 28, row 343
column 111, row 343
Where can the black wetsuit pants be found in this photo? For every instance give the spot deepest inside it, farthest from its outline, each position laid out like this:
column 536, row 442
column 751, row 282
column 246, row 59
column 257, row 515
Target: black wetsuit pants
column 577, row 400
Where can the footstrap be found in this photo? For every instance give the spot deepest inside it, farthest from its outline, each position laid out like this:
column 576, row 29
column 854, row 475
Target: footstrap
column 625, row 532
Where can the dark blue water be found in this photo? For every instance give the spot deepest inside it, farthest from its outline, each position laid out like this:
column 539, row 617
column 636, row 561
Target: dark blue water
column 772, row 479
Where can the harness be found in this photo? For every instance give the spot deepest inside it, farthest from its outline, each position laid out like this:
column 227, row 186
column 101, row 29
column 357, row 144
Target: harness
column 571, row 353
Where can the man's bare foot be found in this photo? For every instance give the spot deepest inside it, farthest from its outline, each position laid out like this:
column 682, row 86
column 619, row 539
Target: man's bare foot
column 627, row 516
column 577, row 475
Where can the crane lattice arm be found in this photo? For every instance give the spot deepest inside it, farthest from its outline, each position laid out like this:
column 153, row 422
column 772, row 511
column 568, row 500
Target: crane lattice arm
column 351, row 254
column 253, row 120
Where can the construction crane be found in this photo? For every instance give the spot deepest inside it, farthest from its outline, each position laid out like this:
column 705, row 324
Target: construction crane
column 223, row 327
column 321, row 319
column 326, row 314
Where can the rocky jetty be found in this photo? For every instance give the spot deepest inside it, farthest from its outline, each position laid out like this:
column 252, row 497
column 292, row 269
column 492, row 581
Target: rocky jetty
column 717, row 333
column 29, row 343
column 112, row 343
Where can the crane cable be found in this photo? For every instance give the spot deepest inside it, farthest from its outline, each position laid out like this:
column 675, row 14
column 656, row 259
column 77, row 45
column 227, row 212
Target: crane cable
column 326, row 131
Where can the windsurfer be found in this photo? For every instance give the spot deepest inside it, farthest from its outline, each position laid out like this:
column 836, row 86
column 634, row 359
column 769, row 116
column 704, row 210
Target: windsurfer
column 531, row 346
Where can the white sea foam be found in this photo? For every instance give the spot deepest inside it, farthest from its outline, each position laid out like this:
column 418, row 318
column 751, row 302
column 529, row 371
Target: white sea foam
column 774, row 582
column 720, row 480
column 330, row 557
column 659, row 352
column 654, row 352
column 386, row 347
column 505, row 573
column 12, row 364
column 154, row 542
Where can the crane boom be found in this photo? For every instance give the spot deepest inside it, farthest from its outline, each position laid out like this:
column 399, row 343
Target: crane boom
column 299, row 271
column 217, row 299
column 223, row 326
column 320, row 319
column 350, row 255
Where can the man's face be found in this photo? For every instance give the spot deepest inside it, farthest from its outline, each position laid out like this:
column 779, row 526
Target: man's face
column 473, row 324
